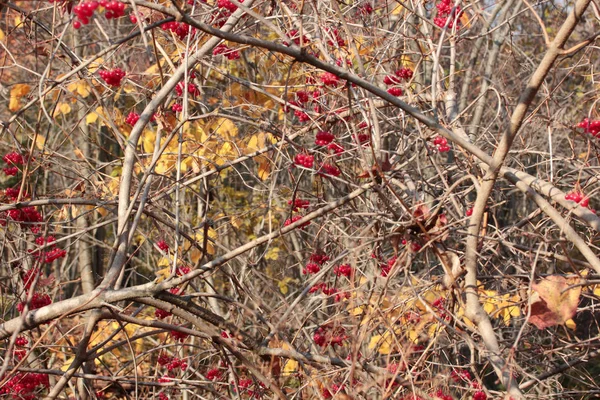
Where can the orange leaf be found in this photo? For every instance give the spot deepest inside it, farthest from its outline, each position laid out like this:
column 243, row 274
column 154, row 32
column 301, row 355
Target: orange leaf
column 552, row 303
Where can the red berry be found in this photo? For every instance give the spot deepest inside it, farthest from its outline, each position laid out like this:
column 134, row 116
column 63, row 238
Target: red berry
column 299, row 203
column 133, row 18
column 395, row 91
column 294, row 219
column 112, row 77
column 76, row 24
column 344, row 269
column 330, row 79
column 391, row 80
column 324, row 138
column 310, row 268
column 480, row 396
column 162, row 245
column 328, row 169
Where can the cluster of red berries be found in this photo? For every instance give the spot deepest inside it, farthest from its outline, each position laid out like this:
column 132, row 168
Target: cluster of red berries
column 84, row 12
column 441, row 143
column 13, row 160
column 324, row 288
column 313, row 266
column 328, row 169
column 386, row 268
column 446, row 14
column 364, row 139
column 226, row 51
column 28, row 217
column 179, row 336
column 335, row 148
column 460, row 376
column 172, row 363
column 249, row 387
column 299, row 204
column 229, row 6
column 440, row 305
column 214, row 374
column 294, row 35
column 183, row 270
column 365, row 9
column 330, row 79
column 413, row 246
column 343, row 270
column 591, row 127
column 38, row 300
column 132, row 118
column 302, row 100
column 324, row 138
column 403, row 74
column 112, row 77
column 327, row 335
column 28, row 277
column 12, row 194
column 164, row 246
column 19, row 352
column 225, row 9
column 162, row 314
column 22, row 385
column 192, row 89
column 304, row 160
column 330, row 393
column 295, row 218
column 336, row 40
column 114, row 9
column 180, row 29
column 578, row 198
column 48, row 257
column 177, row 107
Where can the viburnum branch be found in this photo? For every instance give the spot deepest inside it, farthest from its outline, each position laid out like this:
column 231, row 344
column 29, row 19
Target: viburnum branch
column 474, row 310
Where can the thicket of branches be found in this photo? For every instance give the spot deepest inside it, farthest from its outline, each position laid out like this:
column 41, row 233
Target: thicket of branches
column 299, row 199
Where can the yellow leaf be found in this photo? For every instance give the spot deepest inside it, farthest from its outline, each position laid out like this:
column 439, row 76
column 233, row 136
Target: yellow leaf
column 128, row 87
column 91, row 118
column 237, row 222
column 224, row 128
column 226, row 149
column 94, row 65
column 196, row 254
column 2, row 36
column 20, row 90
column 465, row 20
column 62, row 108
column 382, row 343
column 80, row 87
column 283, row 284
column 40, row 141
column 398, row 10
column 16, row 93
column 67, row 364
column 571, row 324
column 264, row 167
column 18, row 21
column 273, row 254
column 13, row 104
column 290, row 367
column 162, row 274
